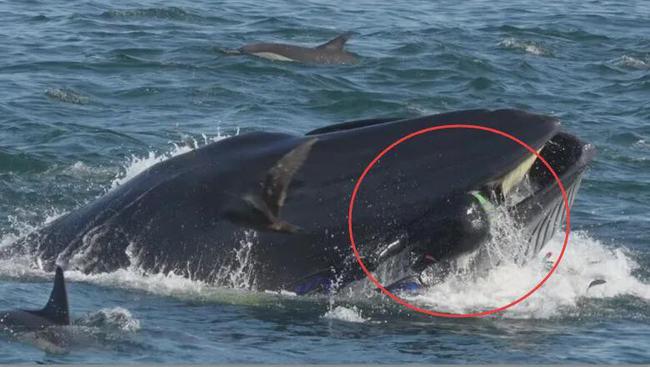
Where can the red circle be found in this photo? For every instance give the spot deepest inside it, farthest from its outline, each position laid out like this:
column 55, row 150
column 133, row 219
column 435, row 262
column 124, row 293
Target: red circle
column 444, row 314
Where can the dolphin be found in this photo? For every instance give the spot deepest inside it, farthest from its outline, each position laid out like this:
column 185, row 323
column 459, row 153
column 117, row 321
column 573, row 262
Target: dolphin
column 268, row 210
column 55, row 312
column 330, row 52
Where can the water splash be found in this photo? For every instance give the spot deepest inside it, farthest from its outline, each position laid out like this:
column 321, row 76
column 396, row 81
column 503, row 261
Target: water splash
column 67, row 95
column 586, row 259
column 349, row 314
column 528, row 47
column 138, row 164
column 239, row 273
column 631, row 62
column 116, row 318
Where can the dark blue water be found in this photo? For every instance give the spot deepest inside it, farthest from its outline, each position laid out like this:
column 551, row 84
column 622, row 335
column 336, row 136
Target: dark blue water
column 92, row 93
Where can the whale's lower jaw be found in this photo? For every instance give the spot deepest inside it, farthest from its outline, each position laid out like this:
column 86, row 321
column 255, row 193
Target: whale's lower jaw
column 272, row 56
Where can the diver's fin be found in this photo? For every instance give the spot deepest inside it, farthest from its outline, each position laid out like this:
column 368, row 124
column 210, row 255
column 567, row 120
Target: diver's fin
column 278, row 178
column 56, row 310
column 337, row 43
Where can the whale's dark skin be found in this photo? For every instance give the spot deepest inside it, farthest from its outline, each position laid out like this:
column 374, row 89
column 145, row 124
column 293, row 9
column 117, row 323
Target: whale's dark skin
column 331, row 52
column 288, row 195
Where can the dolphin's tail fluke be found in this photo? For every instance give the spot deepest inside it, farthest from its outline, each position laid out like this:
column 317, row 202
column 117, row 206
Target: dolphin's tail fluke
column 56, row 310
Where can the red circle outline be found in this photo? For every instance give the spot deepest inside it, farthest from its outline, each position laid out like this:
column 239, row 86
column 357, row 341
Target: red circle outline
column 445, row 314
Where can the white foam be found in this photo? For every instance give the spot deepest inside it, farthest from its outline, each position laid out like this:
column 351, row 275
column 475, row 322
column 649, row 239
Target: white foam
column 67, row 95
column 632, row 62
column 641, row 143
column 112, row 318
column 349, row 314
column 81, row 169
column 586, row 259
column 529, row 47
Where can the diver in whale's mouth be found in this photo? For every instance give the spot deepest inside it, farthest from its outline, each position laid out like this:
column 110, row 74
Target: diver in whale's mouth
column 424, row 204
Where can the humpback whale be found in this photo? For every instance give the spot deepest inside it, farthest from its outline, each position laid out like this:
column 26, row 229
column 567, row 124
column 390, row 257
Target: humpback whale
column 331, row 52
column 267, row 210
column 55, row 312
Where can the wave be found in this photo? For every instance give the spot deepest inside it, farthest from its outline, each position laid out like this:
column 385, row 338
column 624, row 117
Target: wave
column 116, row 318
column 67, row 95
column 578, row 35
column 172, row 13
column 631, row 62
column 20, row 162
column 529, row 47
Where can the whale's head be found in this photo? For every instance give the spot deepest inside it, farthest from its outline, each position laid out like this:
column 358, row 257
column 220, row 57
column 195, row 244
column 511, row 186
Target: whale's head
column 435, row 195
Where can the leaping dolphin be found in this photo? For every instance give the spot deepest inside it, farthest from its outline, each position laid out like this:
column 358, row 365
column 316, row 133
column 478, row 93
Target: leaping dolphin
column 331, row 52
column 269, row 210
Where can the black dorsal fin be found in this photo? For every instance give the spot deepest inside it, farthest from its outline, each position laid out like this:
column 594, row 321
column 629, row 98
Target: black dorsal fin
column 353, row 125
column 337, row 43
column 56, row 310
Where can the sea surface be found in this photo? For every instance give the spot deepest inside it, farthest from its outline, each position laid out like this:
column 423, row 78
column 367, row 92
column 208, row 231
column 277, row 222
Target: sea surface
column 93, row 92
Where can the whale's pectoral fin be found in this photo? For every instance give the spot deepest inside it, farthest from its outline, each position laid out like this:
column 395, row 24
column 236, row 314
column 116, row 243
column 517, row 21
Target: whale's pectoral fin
column 278, row 178
column 263, row 211
column 337, row 43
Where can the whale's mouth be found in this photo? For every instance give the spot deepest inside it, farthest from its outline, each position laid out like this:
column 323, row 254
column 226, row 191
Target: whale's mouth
column 530, row 193
column 531, row 179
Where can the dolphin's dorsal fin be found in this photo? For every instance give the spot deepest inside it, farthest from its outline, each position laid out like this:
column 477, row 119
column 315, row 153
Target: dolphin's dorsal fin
column 56, row 310
column 337, row 43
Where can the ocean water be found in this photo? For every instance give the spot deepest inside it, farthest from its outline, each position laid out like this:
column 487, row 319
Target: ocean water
column 93, row 92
